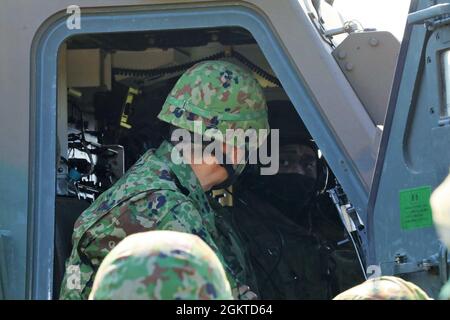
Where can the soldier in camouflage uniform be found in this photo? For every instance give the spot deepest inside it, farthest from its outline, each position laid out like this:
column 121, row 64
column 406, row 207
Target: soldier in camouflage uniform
column 440, row 203
column 161, row 265
column 384, row 288
column 156, row 193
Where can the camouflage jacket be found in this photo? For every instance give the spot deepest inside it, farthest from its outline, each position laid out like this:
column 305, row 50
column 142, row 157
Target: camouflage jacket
column 155, row 194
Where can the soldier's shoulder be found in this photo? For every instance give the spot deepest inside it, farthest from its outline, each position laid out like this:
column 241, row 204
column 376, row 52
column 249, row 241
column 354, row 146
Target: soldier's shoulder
column 153, row 174
column 160, row 199
column 149, row 165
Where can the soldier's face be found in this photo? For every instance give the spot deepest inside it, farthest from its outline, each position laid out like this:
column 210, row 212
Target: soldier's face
column 298, row 159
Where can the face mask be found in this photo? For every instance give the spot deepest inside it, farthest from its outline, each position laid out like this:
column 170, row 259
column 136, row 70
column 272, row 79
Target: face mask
column 289, row 189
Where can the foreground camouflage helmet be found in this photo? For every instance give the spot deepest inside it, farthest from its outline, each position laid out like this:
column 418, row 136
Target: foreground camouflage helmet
column 161, row 265
column 221, row 96
column 445, row 292
column 440, row 204
column 384, row 288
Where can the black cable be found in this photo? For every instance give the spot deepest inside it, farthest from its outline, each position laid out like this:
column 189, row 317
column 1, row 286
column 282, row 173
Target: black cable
column 163, row 71
column 83, row 141
column 269, row 274
column 159, row 72
column 280, row 255
column 74, row 106
column 261, row 72
column 269, row 278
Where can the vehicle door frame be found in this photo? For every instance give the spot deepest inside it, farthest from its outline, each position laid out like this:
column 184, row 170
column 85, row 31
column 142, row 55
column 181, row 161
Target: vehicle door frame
column 43, row 107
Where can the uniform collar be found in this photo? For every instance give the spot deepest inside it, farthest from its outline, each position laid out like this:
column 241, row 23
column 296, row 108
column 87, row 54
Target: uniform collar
column 187, row 178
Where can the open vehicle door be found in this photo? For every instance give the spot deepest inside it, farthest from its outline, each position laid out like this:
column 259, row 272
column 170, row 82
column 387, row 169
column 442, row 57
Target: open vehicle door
column 414, row 156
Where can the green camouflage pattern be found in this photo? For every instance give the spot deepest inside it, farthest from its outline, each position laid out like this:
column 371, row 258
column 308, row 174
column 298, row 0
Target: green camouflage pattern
column 221, row 96
column 384, row 288
column 161, row 265
column 154, row 194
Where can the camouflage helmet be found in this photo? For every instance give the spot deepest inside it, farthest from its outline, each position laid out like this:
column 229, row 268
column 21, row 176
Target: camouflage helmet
column 218, row 95
column 161, row 265
column 440, row 204
column 445, row 292
column 384, row 288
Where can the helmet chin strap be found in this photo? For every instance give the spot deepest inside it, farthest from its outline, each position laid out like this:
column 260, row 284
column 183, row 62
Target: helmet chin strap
column 233, row 172
column 230, row 180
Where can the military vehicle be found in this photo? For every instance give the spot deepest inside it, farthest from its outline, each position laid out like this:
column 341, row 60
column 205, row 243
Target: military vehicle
column 81, row 86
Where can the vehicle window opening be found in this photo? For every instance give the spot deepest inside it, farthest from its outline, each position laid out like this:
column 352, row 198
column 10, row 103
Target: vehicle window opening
column 445, row 61
column 113, row 86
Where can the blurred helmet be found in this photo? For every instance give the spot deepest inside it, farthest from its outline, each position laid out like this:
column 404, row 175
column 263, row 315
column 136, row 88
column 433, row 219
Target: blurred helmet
column 440, row 204
column 445, row 292
column 384, row 288
column 161, row 265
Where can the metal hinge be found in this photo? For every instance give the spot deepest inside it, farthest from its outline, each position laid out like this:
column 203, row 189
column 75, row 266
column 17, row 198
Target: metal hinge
column 402, row 265
column 347, row 212
column 351, row 221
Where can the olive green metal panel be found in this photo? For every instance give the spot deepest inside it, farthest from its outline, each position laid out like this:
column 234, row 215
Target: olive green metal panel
column 368, row 60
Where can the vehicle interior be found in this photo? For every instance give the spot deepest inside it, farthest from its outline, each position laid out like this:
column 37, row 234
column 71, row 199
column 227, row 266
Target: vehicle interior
column 111, row 88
